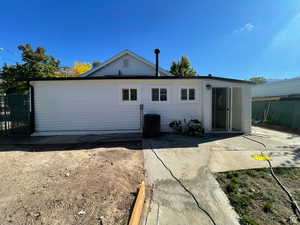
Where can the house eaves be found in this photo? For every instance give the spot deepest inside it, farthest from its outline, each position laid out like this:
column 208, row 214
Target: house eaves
column 139, row 77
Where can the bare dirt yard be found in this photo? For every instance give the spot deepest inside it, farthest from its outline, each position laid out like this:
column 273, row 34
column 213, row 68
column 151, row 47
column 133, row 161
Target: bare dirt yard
column 58, row 187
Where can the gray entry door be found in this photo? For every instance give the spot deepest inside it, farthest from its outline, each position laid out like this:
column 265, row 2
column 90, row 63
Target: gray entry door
column 220, row 109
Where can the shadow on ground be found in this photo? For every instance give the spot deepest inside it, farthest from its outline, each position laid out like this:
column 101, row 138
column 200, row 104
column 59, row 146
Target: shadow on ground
column 294, row 158
column 63, row 143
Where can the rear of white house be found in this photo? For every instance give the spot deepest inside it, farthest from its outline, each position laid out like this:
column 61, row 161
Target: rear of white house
column 116, row 103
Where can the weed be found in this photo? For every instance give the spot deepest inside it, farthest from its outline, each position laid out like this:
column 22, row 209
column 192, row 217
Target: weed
column 256, row 197
column 231, row 175
column 248, row 220
column 268, row 207
column 284, row 172
column 240, row 202
column 252, row 173
column 231, row 187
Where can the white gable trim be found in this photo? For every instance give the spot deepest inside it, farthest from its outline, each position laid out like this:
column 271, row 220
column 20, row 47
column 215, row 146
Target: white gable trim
column 121, row 54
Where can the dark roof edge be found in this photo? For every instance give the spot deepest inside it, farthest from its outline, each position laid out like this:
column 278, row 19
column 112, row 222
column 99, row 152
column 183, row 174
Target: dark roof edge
column 139, row 77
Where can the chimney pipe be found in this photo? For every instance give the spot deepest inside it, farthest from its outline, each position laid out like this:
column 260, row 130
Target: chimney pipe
column 156, row 51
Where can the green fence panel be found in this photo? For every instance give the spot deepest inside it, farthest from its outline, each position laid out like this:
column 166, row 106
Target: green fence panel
column 283, row 113
column 258, row 109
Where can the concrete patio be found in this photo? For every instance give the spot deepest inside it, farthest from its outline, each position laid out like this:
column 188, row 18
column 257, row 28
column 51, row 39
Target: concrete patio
column 179, row 170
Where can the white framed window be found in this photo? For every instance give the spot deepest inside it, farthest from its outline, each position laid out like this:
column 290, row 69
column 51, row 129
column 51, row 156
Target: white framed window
column 187, row 94
column 159, row 94
column 129, row 94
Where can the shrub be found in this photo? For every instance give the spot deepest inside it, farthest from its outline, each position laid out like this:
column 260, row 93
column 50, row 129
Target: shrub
column 176, row 125
column 195, row 128
column 192, row 128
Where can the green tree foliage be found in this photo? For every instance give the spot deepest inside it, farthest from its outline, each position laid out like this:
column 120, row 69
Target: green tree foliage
column 36, row 65
column 96, row 63
column 183, row 68
column 258, row 80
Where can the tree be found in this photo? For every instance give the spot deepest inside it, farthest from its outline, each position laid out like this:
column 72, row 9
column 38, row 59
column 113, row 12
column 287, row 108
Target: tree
column 258, row 80
column 183, row 68
column 36, row 65
column 80, row 68
column 96, row 63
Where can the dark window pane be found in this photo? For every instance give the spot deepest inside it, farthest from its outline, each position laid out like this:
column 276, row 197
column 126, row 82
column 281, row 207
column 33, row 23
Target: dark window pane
column 155, row 94
column 163, row 94
column 133, row 94
column 183, row 94
column 192, row 94
column 125, row 94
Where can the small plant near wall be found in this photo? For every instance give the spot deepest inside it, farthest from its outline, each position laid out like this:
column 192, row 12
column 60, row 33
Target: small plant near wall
column 193, row 127
column 176, row 125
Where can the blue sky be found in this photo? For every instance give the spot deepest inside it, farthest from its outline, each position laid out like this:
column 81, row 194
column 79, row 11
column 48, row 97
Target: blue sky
column 230, row 38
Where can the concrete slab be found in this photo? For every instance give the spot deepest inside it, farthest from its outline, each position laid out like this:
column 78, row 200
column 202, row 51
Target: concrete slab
column 189, row 161
column 235, row 153
column 182, row 184
column 222, row 161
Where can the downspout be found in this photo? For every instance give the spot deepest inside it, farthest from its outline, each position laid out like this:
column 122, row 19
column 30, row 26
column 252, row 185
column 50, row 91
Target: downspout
column 32, row 108
column 156, row 51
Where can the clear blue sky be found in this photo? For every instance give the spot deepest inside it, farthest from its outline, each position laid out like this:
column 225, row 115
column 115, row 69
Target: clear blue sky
column 231, row 38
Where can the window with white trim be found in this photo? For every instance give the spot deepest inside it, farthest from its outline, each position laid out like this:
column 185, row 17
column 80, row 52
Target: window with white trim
column 159, row 94
column 187, row 94
column 129, row 94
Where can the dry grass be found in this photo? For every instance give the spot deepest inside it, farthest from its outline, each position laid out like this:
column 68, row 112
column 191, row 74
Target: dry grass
column 257, row 198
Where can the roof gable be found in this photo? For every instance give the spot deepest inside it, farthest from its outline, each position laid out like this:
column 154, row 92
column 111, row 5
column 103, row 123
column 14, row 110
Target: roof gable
column 126, row 63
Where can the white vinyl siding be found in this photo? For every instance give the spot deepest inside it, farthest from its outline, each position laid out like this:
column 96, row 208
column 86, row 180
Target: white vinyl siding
column 96, row 106
column 83, row 106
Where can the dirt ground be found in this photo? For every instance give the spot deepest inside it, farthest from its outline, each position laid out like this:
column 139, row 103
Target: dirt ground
column 258, row 199
column 83, row 186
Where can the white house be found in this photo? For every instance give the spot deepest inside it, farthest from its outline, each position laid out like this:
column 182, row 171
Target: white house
column 113, row 97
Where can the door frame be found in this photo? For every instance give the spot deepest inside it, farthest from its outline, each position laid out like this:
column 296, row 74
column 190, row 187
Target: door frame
column 228, row 110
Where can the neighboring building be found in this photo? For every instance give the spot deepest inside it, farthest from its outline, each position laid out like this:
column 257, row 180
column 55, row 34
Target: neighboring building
column 113, row 97
column 277, row 88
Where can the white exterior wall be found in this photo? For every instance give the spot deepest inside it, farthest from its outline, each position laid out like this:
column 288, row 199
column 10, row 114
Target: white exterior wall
column 277, row 88
column 95, row 106
column 236, row 108
column 246, row 109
